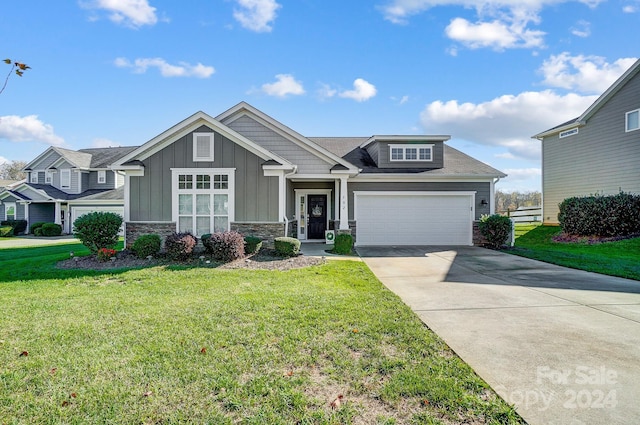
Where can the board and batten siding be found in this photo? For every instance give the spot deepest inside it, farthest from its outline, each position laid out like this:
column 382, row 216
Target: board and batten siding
column 601, row 158
column 307, row 162
column 256, row 196
column 482, row 190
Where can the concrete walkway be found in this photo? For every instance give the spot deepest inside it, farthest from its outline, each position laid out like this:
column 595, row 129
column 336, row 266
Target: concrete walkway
column 562, row 345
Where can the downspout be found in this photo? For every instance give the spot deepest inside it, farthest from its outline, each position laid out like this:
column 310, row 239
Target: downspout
column 284, row 191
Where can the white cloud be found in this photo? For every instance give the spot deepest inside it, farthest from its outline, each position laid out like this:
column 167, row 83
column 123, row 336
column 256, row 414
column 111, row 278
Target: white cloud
column 507, row 121
column 581, row 29
column 284, row 86
column 587, row 74
column 132, row 13
column 256, row 15
column 362, row 91
column 501, row 24
column 183, row 69
column 28, row 129
column 104, row 143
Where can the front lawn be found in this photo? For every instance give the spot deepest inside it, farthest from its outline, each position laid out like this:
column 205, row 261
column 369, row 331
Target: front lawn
column 202, row 345
column 619, row 258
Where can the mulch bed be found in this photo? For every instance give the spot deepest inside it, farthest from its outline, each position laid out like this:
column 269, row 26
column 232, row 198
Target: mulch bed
column 265, row 259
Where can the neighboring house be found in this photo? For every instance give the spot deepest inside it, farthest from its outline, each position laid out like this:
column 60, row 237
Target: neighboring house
column 63, row 184
column 596, row 153
column 245, row 171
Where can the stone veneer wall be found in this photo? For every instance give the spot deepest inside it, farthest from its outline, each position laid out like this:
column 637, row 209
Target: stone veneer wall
column 133, row 230
column 265, row 231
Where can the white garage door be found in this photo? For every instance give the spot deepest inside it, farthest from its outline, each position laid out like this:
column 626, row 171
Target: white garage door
column 80, row 211
column 418, row 218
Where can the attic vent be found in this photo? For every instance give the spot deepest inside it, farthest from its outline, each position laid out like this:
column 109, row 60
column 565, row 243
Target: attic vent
column 568, row 133
column 202, row 147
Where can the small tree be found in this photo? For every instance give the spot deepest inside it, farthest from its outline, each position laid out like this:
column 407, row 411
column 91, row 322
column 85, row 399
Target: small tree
column 496, row 229
column 98, row 230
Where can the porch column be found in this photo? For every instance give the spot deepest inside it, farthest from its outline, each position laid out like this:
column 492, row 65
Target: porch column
column 56, row 214
column 344, row 204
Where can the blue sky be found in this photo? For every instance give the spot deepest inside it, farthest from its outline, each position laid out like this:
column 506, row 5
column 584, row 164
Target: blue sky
column 489, row 73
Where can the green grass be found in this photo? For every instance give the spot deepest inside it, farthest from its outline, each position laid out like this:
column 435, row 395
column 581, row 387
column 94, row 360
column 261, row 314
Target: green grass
column 619, row 258
column 202, row 345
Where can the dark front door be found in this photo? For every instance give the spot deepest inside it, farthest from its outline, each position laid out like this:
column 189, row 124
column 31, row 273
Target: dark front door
column 317, row 212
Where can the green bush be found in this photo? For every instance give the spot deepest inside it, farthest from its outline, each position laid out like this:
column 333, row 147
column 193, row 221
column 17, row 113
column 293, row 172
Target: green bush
column 97, row 230
column 51, row 229
column 6, row 231
column 225, row 246
column 599, row 215
column 36, row 225
column 343, row 244
column 147, row 245
column 496, row 229
column 179, row 246
column 287, row 247
column 252, row 244
column 19, row 226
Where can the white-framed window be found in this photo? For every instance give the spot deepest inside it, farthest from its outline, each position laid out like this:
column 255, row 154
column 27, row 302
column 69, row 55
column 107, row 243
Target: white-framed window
column 203, row 199
column 65, row 179
column 632, row 120
column 102, row 176
column 9, row 210
column 48, row 177
column 423, row 153
column 34, row 177
column 203, row 147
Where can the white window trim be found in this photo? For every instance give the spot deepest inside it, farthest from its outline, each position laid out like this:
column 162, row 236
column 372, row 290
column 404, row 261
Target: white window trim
column 230, row 191
column 62, row 173
column 404, row 152
column 15, row 210
column 626, row 120
column 102, row 176
column 197, row 158
column 34, row 177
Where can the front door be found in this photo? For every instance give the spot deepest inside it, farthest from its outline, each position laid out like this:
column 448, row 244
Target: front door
column 317, row 213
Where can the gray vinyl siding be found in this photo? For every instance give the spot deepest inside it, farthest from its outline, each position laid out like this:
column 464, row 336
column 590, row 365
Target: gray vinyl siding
column 41, row 212
column 92, row 181
column 483, row 191
column 256, row 196
column 307, row 162
column 383, row 156
column 602, row 158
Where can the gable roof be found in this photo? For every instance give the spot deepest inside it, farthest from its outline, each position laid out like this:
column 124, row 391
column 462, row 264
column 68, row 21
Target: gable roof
column 595, row 106
column 244, row 109
column 185, row 127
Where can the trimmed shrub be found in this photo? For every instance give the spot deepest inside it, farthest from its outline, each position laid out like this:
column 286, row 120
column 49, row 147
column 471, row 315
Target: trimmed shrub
column 19, row 226
column 599, row 215
column 179, row 246
column 496, row 229
column 287, row 247
column 97, row 230
column 225, row 246
column 51, row 229
column 6, row 231
column 36, row 225
column 252, row 244
column 147, row 245
column 343, row 244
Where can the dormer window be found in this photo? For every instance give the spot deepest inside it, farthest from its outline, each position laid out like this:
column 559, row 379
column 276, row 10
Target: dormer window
column 411, row 152
column 34, row 177
column 102, row 176
column 203, row 147
column 632, row 119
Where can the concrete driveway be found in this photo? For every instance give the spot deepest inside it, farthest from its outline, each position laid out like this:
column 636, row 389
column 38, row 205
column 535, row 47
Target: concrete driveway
column 562, row 345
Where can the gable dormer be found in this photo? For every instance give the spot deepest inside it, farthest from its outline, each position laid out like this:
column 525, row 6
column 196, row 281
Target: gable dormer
column 423, row 152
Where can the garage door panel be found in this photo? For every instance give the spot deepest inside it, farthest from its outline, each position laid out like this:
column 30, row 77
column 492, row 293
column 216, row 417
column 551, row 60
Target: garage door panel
column 413, row 219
